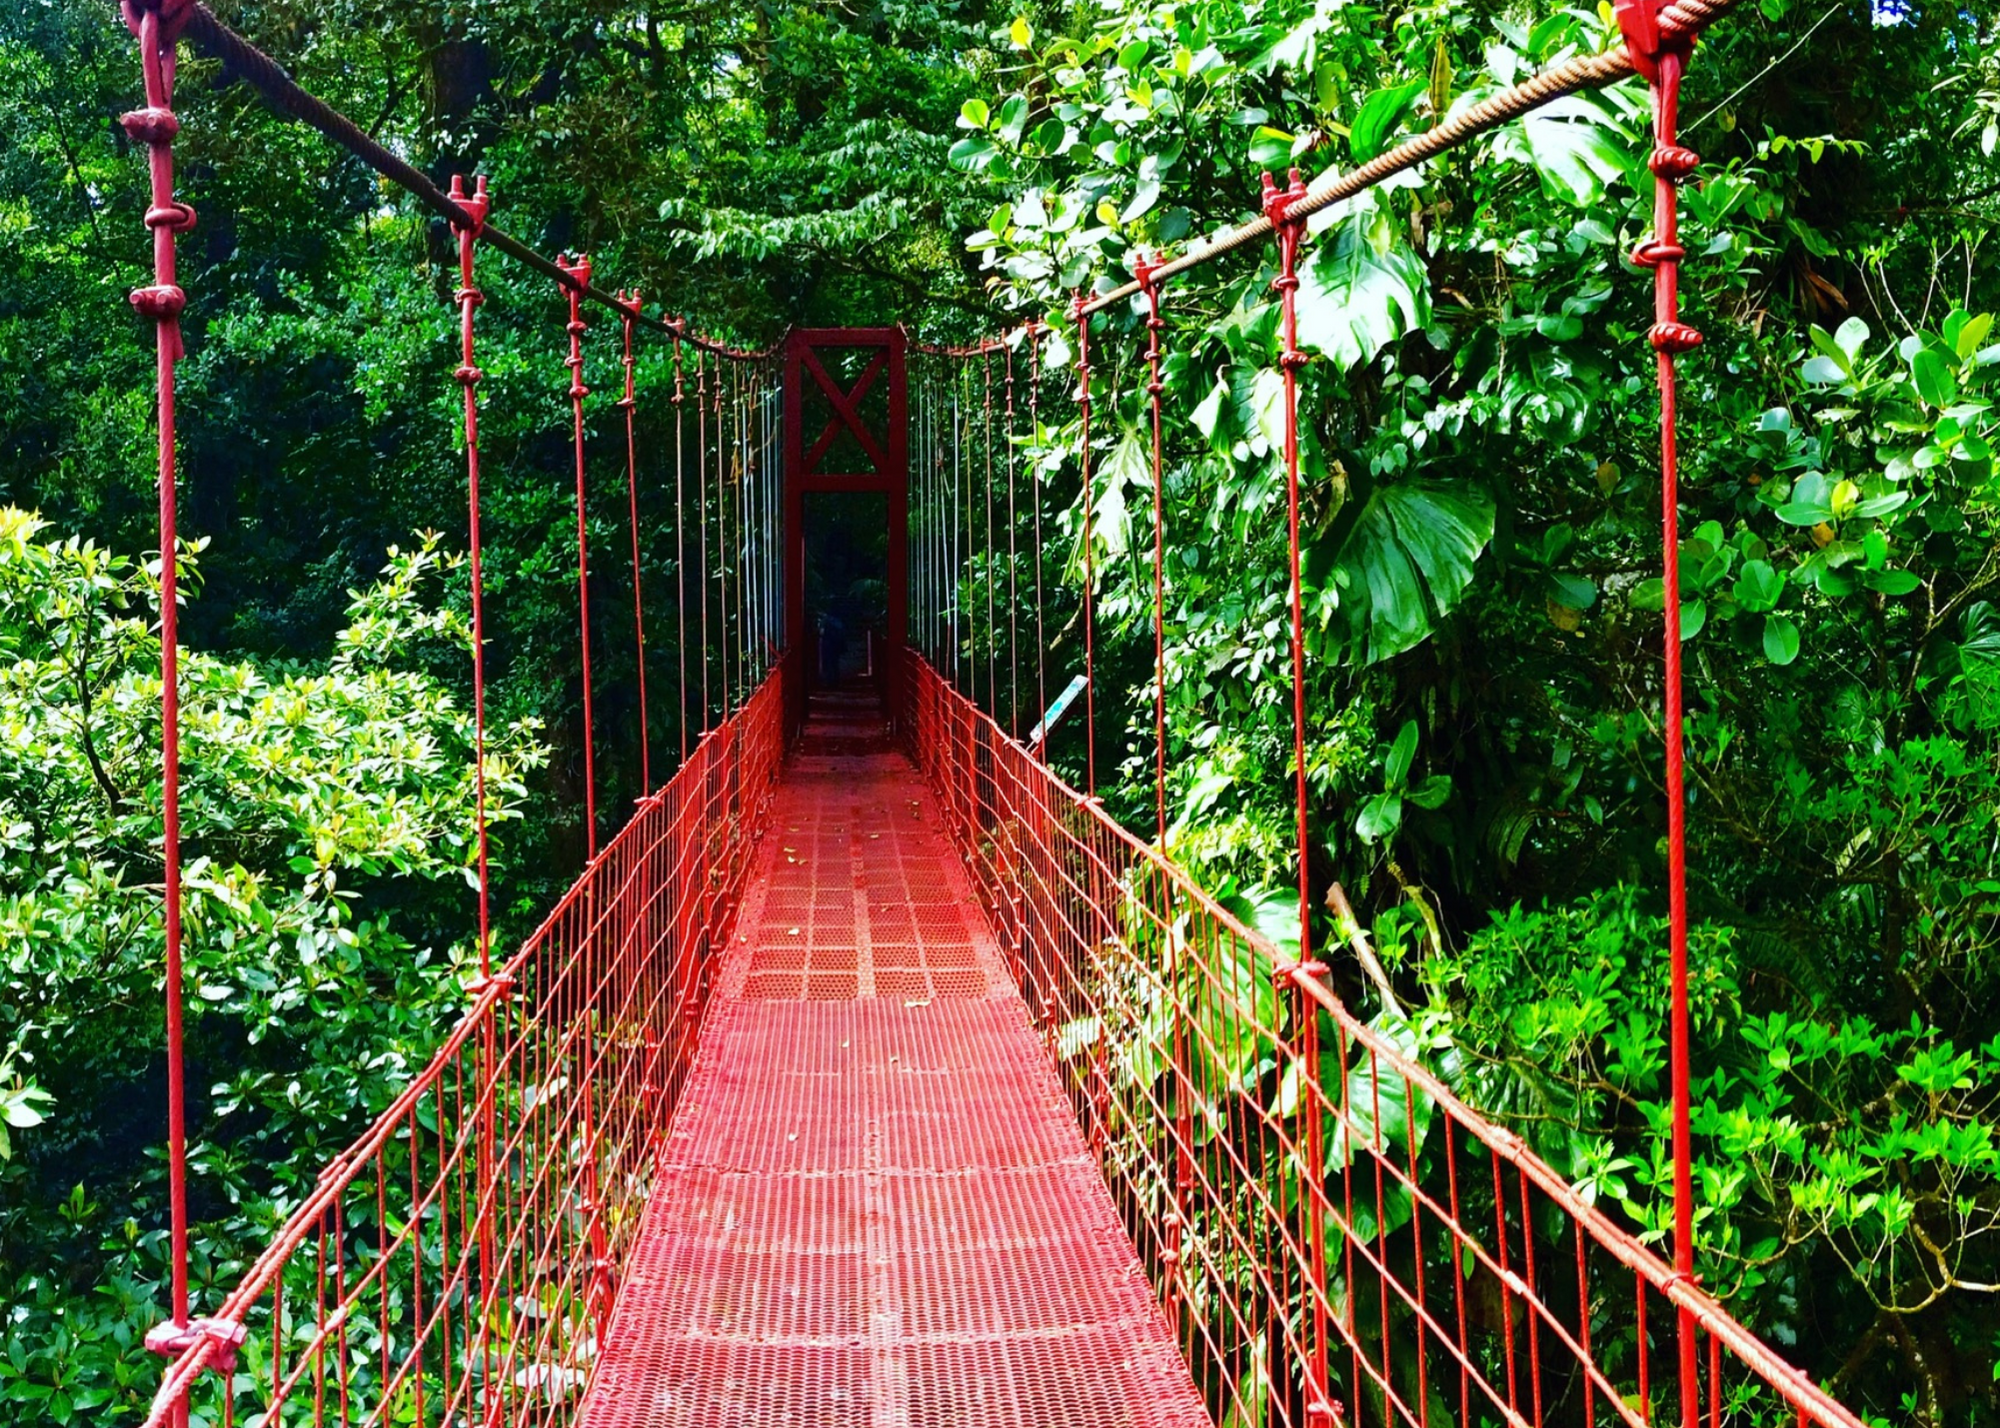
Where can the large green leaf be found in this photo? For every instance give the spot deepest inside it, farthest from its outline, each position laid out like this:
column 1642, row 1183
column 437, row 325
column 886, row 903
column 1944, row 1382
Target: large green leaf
column 1362, row 290
column 1380, row 114
column 1408, row 558
column 1573, row 143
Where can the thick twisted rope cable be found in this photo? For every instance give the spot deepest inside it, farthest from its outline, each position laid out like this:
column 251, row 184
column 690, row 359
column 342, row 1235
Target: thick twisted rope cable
column 270, row 79
column 1684, row 19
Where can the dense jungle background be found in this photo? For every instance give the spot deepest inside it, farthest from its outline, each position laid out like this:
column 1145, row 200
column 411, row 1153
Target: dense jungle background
column 1483, row 512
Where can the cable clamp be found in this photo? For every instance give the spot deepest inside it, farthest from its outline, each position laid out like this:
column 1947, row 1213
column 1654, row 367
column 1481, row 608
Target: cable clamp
column 475, row 205
column 502, row 981
column 1145, row 272
column 1645, row 42
column 174, row 15
column 1278, row 203
column 577, row 270
column 173, row 1340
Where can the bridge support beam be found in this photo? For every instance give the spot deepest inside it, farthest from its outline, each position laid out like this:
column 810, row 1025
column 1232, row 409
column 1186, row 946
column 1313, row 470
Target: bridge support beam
column 841, row 436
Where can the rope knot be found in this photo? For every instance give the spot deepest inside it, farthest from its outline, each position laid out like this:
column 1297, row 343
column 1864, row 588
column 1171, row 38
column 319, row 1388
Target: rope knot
column 467, row 375
column 471, row 295
column 1673, row 162
column 1673, row 337
column 151, row 125
column 162, row 302
column 176, row 215
column 1651, row 252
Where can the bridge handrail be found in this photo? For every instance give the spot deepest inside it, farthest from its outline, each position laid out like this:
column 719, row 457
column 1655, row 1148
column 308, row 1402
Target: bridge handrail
column 742, row 752
column 933, row 748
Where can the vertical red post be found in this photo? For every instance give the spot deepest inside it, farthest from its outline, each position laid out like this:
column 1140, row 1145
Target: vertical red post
column 799, row 673
column 1155, row 324
column 680, row 532
column 1661, row 59
column 476, row 206
column 898, row 478
column 157, row 26
column 1089, row 554
column 1035, row 494
column 630, row 402
column 1013, row 567
column 1278, row 205
column 1320, row 1411
column 578, row 272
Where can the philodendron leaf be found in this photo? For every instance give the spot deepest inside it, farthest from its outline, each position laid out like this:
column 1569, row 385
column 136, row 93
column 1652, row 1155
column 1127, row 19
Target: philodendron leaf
column 1355, row 298
column 1407, row 560
column 1380, row 113
column 1573, row 144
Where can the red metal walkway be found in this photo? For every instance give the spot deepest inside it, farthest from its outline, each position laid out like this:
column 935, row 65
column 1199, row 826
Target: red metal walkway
column 874, row 1206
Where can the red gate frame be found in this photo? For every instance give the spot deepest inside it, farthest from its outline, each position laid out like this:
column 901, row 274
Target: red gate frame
column 888, row 451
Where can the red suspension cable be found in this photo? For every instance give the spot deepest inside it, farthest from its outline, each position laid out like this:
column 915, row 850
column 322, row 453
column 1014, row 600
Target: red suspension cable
column 469, row 298
column 1661, row 58
column 992, row 625
column 1154, row 326
column 701, row 517
column 630, row 403
column 680, row 538
column 1089, row 557
column 1035, row 494
column 721, row 546
column 1013, row 569
column 1290, row 231
column 579, row 271
column 157, row 26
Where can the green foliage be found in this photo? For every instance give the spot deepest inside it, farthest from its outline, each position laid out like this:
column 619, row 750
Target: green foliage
column 328, row 814
column 1481, row 568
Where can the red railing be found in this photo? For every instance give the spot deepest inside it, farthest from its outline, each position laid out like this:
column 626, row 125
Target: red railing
column 1332, row 1233
column 458, row 1263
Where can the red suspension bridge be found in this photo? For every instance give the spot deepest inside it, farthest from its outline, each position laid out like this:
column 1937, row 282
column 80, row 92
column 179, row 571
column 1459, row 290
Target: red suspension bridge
column 871, row 1074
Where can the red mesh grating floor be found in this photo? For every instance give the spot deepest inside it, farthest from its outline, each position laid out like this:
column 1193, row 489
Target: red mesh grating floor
column 874, row 1207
